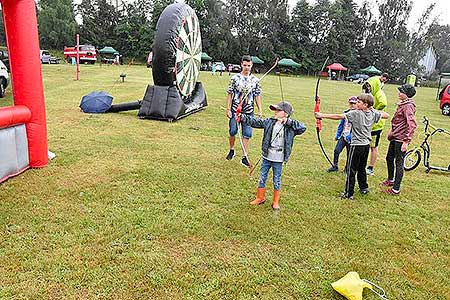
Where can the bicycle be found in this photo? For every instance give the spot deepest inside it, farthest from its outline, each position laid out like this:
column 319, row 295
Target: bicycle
column 414, row 156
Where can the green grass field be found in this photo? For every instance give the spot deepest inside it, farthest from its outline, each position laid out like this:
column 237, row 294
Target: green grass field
column 141, row 209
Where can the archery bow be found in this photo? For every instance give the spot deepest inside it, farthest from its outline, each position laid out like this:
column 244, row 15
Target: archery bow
column 317, row 109
column 243, row 99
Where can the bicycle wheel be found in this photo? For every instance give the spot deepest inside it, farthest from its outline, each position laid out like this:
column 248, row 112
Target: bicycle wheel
column 412, row 159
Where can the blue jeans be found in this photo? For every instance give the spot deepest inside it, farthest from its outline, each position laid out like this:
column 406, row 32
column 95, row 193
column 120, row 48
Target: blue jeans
column 276, row 169
column 233, row 127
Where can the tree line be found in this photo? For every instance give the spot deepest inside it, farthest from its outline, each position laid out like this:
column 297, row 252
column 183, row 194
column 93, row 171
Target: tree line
column 355, row 36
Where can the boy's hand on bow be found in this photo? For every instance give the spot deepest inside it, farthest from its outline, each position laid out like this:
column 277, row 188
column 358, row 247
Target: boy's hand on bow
column 238, row 116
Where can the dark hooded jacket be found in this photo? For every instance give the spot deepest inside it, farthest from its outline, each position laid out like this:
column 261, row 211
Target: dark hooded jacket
column 404, row 122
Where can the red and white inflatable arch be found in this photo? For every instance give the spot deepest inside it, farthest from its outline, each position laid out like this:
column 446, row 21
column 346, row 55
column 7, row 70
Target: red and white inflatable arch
column 28, row 112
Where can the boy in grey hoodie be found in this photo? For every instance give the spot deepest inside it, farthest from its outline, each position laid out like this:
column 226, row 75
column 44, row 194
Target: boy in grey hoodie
column 403, row 127
column 362, row 119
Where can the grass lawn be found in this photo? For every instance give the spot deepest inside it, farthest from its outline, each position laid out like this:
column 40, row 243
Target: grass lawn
column 141, row 209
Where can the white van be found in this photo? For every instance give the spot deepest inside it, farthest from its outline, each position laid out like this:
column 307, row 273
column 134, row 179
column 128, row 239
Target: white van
column 4, row 79
column 45, row 57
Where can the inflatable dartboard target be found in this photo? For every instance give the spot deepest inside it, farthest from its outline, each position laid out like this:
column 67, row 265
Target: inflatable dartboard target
column 177, row 49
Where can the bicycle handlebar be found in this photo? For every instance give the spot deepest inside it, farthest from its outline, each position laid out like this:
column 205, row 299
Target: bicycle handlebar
column 435, row 129
column 426, row 122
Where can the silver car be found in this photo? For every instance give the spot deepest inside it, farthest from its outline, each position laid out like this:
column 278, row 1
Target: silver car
column 4, row 79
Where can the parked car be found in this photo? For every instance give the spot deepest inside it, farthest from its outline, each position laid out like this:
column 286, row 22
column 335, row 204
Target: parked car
column 46, row 58
column 357, row 78
column 4, row 79
column 204, row 67
column 234, row 68
column 4, row 57
column 444, row 100
column 218, row 66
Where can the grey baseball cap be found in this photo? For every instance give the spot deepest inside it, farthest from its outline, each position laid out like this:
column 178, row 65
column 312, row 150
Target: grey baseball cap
column 284, row 106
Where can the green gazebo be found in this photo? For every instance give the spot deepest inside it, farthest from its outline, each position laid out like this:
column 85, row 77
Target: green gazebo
column 257, row 61
column 287, row 62
column 108, row 50
column 371, row 70
column 206, row 57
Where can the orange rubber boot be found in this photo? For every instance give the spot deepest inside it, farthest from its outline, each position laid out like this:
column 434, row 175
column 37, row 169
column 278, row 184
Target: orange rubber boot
column 276, row 200
column 260, row 197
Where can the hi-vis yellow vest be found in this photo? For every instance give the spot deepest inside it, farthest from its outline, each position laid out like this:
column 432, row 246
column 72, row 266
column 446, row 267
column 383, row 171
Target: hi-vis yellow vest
column 380, row 100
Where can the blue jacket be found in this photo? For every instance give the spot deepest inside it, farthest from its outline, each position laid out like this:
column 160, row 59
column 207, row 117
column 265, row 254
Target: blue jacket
column 291, row 129
column 340, row 129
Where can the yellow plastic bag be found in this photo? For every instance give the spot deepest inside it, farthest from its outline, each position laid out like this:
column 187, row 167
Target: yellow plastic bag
column 351, row 286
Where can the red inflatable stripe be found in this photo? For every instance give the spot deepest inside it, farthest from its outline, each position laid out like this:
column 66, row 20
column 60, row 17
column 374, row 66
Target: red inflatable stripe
column 14, row 115
column 12, row 175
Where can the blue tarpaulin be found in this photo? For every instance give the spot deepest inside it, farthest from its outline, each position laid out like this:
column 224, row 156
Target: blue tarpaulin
column 96, row 102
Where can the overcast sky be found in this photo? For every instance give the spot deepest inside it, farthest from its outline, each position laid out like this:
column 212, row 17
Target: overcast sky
column 442, row 8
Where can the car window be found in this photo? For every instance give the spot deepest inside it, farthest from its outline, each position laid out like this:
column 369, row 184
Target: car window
column 87, row 48
column 45, row 53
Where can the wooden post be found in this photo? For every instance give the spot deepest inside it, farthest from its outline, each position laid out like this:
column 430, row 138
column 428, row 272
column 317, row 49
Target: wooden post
column 78, row 56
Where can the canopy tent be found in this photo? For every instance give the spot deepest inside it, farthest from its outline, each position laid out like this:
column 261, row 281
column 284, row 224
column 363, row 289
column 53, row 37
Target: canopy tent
column 371, row 69
column 287, row 62
column 108, row 50
column 256, row 60
column 205, row 56
column 337, row 67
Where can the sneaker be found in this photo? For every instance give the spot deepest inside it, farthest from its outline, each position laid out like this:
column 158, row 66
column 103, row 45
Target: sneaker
column 388, row 182
column 245, row 162
column 370, row 171
column 344, row 195
column 333, row 169
column 391, row 191
column 230, row 154
column 364, row 191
